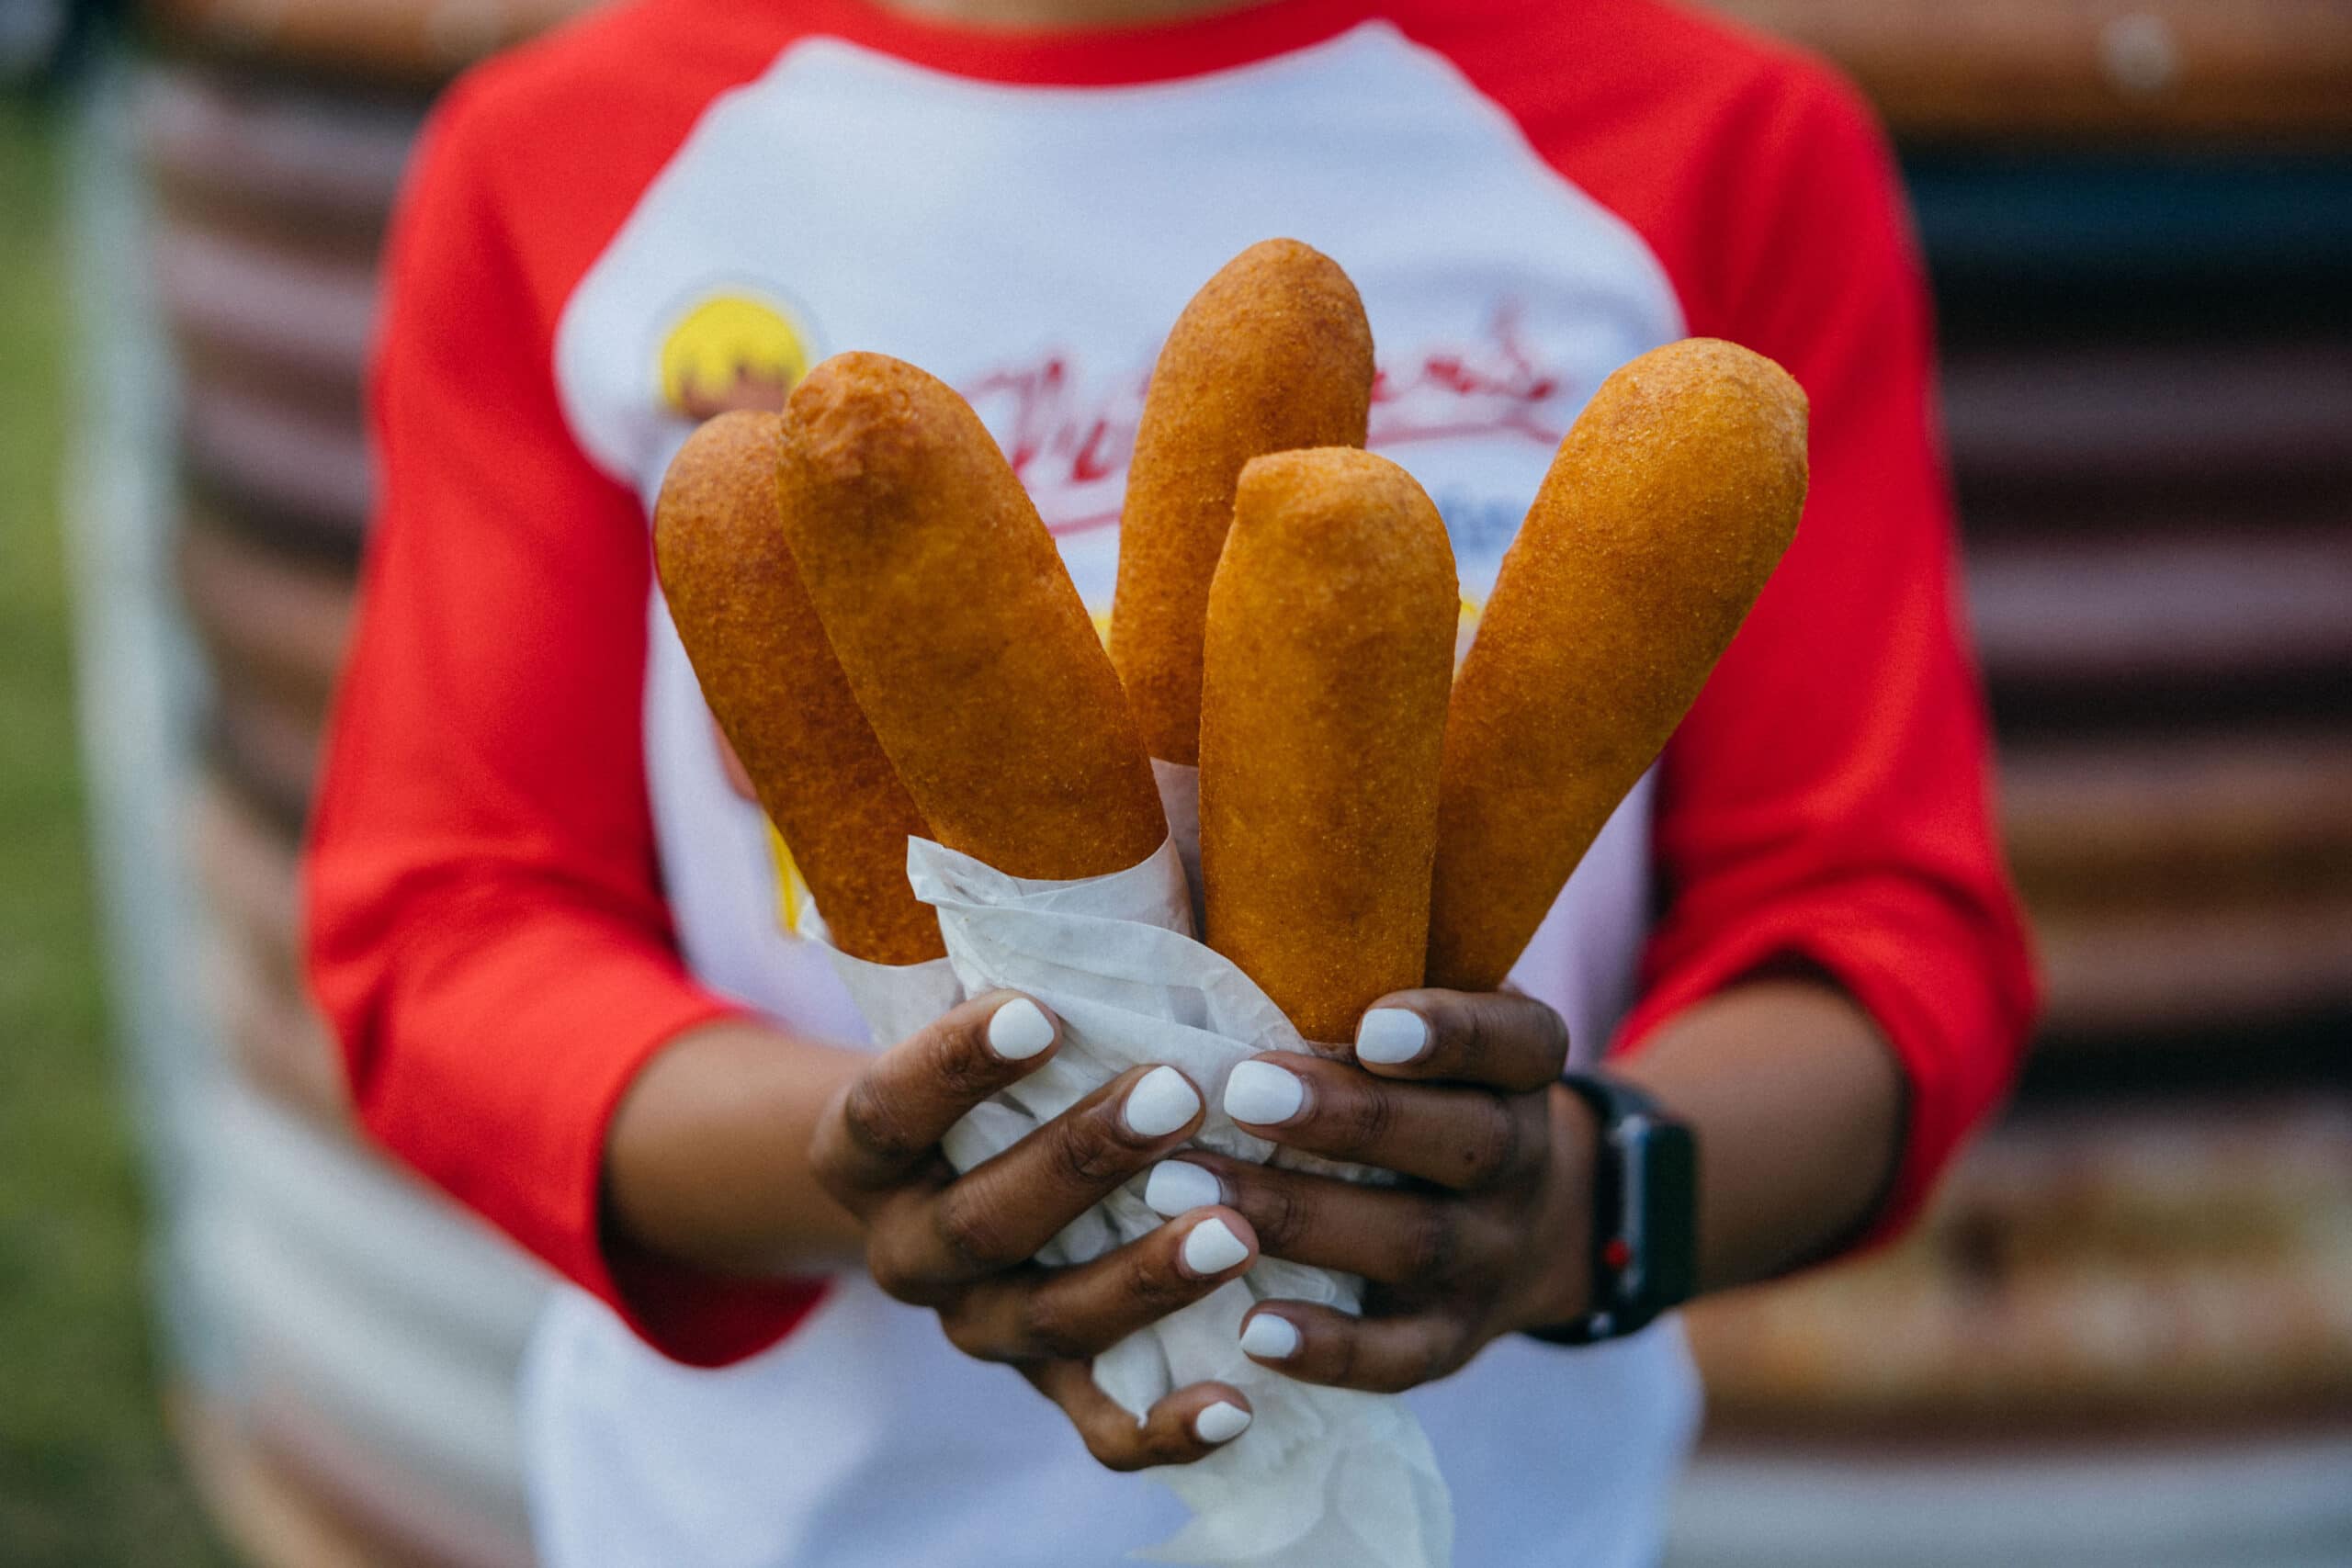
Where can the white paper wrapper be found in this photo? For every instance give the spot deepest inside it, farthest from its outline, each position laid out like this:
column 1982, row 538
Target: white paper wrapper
column 1323, row 1478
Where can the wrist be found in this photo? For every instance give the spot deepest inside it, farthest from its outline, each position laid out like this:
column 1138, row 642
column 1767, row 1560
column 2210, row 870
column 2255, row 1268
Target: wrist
column 1564, row 1289
column 707, row 1155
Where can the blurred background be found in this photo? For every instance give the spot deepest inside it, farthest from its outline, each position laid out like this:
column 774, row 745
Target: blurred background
column 2124, row 1336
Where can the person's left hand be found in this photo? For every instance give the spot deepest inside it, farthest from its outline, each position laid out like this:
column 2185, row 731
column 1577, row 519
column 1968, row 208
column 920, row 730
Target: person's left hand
column 1489, row 1235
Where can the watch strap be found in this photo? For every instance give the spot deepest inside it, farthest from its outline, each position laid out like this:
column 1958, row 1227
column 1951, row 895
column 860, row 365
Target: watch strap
column 1644, row 1210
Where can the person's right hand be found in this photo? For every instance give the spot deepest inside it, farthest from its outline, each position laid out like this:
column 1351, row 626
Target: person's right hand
column 963, row 1244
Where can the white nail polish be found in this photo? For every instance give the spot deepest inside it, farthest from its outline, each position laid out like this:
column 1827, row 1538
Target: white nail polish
column 1390, row 1036
column 1019, row 1030
column 1221, row 1423
column 1178, row 1187
column 1269, row 1338
column 1160, row 1103
column 1211, row 1247
column 1263, row 1094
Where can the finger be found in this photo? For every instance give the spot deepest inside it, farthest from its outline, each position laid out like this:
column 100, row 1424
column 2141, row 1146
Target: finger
column 890, row 1117
column 1493, row 1039
column 1396, row 1237
column 1074, row 1314
column 1458, row 1137
column 1189, row 1424
column 1379, row 1355
column 1000, row 1212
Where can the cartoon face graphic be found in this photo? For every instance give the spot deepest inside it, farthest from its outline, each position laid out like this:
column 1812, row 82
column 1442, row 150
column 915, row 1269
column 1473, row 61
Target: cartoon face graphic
column 731, row 351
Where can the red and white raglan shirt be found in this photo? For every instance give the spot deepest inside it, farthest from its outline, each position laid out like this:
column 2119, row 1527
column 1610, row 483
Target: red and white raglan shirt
column 529, row 871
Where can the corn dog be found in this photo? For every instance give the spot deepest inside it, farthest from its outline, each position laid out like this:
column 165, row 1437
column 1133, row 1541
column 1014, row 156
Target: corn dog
column 779, row 694
column 968, row 647
column 1664, row 510
column 1329, row 651
column 1271, row 354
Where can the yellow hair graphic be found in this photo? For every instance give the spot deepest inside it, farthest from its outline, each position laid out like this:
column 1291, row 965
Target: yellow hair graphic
column 731, row 352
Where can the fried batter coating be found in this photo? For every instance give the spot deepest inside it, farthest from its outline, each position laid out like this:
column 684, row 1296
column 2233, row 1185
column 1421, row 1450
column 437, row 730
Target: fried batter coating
column 1330, row 648
column 1666, row 509
column 1273, row 353
column 968, row 650
column 779, row 694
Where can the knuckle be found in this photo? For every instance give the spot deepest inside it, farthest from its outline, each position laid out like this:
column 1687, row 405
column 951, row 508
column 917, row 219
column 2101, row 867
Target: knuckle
column 1169, row 1446
column 827, row 1158
column 1554, row 1035
column 1423, row 1360
column 1085, row 1155
column 966, row 1331
column 963, row 1068
column 1050, row 1327
column 1470, row 1029
column 1117, row 1450
column 1498, row 1034
column 1445, row 1353
column 1277, row 1209
column 1362, row 1117
column 1492, row 1150
column 973, row 1233
column 874, row 1124
column 887, row 1264
column 1154, row 1282
column 891, row 1281
column 1346, row 1359
column 1487, row 1250
column 1437, row 1357
column 1431, row 1247
column 1166, row 1437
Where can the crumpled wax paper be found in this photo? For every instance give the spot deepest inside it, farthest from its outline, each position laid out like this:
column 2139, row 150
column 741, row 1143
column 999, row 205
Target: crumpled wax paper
column 1324, row 1477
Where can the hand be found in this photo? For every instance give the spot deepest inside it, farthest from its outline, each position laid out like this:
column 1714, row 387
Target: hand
column 1489, row 1235
column 962, row 1245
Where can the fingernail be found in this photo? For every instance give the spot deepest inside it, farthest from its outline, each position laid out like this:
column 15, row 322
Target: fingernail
column 1212, row 1248
column 1221, row 1423
column 1263, row 1094
column 1390, row 1036
column 1178, row 1187
column 1269, row 1338
column 1160, row 1103
column 1019, row 1030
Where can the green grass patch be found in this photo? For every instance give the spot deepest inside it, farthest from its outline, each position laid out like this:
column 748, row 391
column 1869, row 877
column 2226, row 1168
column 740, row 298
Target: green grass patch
column 87, row 1478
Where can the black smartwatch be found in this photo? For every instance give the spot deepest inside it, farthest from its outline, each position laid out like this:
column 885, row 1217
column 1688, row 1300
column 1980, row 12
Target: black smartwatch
column 1644, row 1213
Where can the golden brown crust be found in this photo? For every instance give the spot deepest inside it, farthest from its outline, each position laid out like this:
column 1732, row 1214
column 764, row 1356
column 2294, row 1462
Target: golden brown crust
column 1330, row 647
column 1664, row 510
column 1273, row 353
column 958, row 627
column 779, row 694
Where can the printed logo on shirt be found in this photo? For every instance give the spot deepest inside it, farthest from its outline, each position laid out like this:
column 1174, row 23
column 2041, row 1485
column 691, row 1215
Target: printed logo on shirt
column 1069, row 435
column 1494, row 384
column 729, row 351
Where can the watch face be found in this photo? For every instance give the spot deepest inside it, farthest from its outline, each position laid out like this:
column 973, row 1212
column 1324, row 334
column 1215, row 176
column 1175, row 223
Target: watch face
column 1634, row 1136
column 1663, row 1168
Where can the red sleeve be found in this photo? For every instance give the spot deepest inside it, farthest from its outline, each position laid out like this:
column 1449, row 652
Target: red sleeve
column 1826, row 802
column 487, row 933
